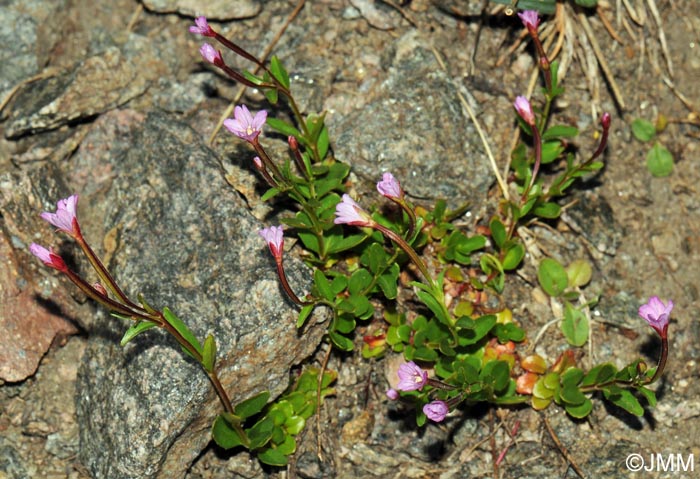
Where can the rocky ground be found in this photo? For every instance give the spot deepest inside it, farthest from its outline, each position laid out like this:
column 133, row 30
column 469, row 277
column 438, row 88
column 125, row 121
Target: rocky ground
column 81, row 80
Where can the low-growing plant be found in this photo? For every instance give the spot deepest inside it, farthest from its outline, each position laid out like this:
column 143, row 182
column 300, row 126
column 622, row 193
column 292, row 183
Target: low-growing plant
column 461, row 344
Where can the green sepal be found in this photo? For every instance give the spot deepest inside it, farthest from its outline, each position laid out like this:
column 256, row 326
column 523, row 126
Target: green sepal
column 135, row 329
column 209, row 354
column 184, row 331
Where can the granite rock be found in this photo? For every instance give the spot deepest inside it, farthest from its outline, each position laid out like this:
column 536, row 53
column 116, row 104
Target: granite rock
column 184, row 239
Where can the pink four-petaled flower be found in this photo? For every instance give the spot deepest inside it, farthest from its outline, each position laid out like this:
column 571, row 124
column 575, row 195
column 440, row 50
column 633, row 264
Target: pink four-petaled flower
column 274, row 236
column 436, row 410
column 244, row 124
column 202, row 27
column 657, row 314
column 65, row 218
column 524, row 109
column 48, row 257
column 390, row 187
column 530, row 19
column 348, row 212
column 411, row 377
column 211, row 54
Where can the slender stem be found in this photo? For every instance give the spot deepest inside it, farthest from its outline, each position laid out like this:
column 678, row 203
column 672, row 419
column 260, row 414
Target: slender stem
column 109, row 303
column 662, row 359
column 407, row 249
column 104, row 275
column 537, row 140
column 285, row 284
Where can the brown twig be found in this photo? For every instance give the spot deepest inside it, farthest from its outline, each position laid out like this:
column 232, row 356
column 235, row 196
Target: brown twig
column 562, row 449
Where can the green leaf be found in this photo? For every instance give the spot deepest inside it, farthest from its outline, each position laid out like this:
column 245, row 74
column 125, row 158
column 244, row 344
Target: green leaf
column 271, row 95
column 358, row 281
column 253, row 78
column 310, row 241
column 599, row 375
column 279, row 72
column 648, row 394
column 579, row 273
column 551, row 151
column 659, row 161
column 643, row 130
column 624, row 399
column 547, row 210
column 508, row 332
column 497, row 373
column 323, row 143
column 252, row 406
column 323, row 286
column 224, row 435
column 514, row 255
column 184, row 331
column 340, row 341
column 574, row 326
column 294, row 424
column 571, row 394
column 136, row 329
column 587, row 3
column 560, row 131
column 261, row 433
column 473, row 330
column 304, row 314
column 272, row 457
column 283, row 127
column 345, row 243
column 579, row 411
column 498, row 232
column 552, row 277
column 209, row 354
column 438, row 309
column 388, row 282
column 269, row 194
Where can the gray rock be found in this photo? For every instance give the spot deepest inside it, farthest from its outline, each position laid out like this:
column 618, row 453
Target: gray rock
column 27, row 32
column 186, row 241
column 213, row 10
column 99, row 83
column 414, row 125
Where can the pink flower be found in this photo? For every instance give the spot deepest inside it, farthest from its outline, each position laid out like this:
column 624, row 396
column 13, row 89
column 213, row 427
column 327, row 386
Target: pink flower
column 275, row 240
column 392, row 394
column 411, row 377
column 605, row 120
column 524, row 109
column 211, row 54
column 530, row 19
column 436, row 410
column 348, row 212
column 244, row 125
column 65, row 218
column 49, row 258
column 258, row 163
column 657, row 314
column 202, row 27
column 390, row 187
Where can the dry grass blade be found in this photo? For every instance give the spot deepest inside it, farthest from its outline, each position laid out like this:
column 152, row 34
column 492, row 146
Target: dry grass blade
column 662, row 36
